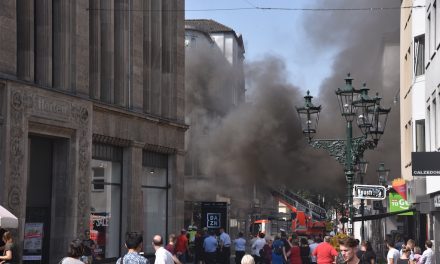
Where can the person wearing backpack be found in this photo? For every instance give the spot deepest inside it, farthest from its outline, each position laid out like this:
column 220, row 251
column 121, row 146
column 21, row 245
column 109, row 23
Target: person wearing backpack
column 278, row 251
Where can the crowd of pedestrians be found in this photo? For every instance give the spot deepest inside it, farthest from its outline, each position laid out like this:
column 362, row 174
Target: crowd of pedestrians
column 409, row 253
column 214, row 247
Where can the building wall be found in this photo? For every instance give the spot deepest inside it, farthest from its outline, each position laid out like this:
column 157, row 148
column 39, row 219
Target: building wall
column 405, row 88
column 85, row 73
column 432, row 40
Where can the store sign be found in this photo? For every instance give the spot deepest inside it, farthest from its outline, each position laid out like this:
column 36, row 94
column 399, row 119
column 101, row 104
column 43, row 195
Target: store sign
column 213, row 220
column 214, row 215
column 369, row 192
column 425, row 163
column 437, row 201
column 397, row 203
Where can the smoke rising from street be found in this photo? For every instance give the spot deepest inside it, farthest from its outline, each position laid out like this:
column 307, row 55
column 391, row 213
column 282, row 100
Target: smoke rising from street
column 261, row 140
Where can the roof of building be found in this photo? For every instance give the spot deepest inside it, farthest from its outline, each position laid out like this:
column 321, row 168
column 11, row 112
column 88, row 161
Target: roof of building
column 207, row 25
column 211, row 26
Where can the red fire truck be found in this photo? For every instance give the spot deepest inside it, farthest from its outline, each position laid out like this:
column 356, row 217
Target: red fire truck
column 303, row 217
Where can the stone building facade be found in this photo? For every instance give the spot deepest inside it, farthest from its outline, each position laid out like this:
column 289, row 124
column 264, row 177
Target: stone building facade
column 91, row 122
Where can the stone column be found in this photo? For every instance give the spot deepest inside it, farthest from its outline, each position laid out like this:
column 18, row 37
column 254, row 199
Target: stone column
column 95, row 49
column 122, row 59
column 81, row 48
column 2, row 139
column 180, row 61
column 136, row 55
column 173, row 54
column 132, row 193
column 62, row 54
column 176, row 197
column 147, row 17
column 156, row 57
column 107, row 51
column 43, row 43
column 166, row 63
column 8, row 38
column 25, row 40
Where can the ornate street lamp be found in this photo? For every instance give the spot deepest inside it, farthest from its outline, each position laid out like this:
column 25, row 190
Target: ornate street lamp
column 309, row 116
column 371, row 121
column 379, row 117
column 382, row 174
column 365, row 104
column 346, row 97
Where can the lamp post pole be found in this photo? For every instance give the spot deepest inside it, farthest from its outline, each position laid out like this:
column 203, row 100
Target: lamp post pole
column 371, row 121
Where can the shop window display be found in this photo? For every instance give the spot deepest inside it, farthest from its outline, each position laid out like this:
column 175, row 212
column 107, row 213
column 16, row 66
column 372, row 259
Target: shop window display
column 105, row 217
column 154, row 192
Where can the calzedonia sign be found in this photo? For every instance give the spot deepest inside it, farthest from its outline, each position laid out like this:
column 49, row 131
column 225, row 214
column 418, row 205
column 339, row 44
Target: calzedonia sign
column 425, row 163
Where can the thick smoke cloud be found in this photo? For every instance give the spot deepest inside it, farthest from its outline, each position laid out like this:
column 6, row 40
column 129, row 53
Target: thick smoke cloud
column 370, row 41
column 260, row 141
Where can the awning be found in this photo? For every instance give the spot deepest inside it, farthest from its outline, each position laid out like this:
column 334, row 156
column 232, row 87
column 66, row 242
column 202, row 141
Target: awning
column 380, row 216
column 7, row 219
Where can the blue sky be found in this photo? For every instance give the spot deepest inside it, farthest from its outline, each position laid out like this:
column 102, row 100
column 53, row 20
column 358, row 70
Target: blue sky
column 266, row 32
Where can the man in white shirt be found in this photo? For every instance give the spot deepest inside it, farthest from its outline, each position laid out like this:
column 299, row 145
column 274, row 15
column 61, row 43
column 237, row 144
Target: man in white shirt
column 428, row 255
column 312, row 248
column 257, row 246
column 163, row 256
column 393, row 254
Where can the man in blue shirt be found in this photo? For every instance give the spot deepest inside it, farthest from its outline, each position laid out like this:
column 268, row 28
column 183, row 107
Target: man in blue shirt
column 225, row 247
column 240, row 247
column 210, row 246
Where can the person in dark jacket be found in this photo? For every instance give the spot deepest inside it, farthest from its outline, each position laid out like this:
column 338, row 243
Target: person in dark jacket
column 366, row 254
column 305, row 251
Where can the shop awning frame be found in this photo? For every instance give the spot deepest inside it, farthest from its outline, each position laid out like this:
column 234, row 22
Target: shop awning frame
column 380, row 216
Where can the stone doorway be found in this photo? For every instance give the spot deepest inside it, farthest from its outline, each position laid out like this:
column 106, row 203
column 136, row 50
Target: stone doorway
column 47, row 167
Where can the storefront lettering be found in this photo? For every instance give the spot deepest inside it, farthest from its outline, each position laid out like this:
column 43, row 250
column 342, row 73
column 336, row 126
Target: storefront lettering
column 56, row 108
column 101, row 220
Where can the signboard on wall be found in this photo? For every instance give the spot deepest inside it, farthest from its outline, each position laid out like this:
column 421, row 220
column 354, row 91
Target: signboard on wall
column 33, row 241
column 214, row 215
column 397, row 203
column 425, row 163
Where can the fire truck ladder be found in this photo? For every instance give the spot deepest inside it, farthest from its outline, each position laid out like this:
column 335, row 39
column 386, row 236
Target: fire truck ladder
column 301, row 204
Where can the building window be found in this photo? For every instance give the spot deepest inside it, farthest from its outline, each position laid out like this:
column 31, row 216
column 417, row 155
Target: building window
column 419, row 55
column 437, row 24
column 429, row 38
column 434, row 122
column 428, row 126
column 98, row 178
column 434, row 21
column 105, row 200
column 155, row 196
column 420, row 135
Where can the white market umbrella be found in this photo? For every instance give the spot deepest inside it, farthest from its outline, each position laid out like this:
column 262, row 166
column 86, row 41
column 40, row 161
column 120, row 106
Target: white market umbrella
column 7, row 219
